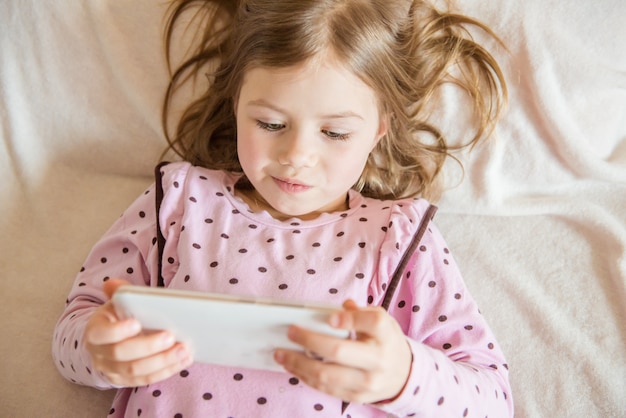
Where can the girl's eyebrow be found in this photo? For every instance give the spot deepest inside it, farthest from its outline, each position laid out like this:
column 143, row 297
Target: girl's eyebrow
column 340, row 115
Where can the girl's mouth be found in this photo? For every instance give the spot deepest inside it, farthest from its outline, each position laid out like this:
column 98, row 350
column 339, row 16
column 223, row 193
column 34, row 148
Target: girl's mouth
column 290, row 186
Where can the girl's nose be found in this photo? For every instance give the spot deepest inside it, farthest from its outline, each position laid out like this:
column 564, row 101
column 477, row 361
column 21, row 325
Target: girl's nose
column 298, row 150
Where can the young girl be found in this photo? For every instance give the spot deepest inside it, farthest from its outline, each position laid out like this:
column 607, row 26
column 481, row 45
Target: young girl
column 306, row 164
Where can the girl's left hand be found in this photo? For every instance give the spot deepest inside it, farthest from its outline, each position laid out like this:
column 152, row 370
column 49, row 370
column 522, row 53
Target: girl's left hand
column 373, row 367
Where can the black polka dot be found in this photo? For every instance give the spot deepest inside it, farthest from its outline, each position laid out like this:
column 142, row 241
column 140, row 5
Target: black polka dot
column 208, row 220
column 294, row 381
column 187, row 277
column 310, row 271
column 111, row 411
column 233, row 281
column 238, row 377
column 193, row 199
column 362, row 244
column 318, row 407
column 178, row 415
column 252, row 226
column 332, row 291
column 171, row 260
column 214, row 264
column 283, row 286
column 262, row 269
column 225, row 236
column 103, row 260
column 207, row 396
column 261, row 401
column 415, row 308
column 129, row 270
column 432, row 284
column 341, row 234
column 422, row 248
column 296, row 231
column 184, row 373
column 465, row 412
column 443, row 318
column 290, row 257
column 440, row 401
column 316, row 244
column 490, row 346
column 337, row 259
column 457, row 296
column 447, row 346
column 401, row 304
column 469, row 327
column 243, row 251
column 142, row 214
column 156, row 393
column 370, row 299
column 359, row 275
column 362, row 219
column 196, row 246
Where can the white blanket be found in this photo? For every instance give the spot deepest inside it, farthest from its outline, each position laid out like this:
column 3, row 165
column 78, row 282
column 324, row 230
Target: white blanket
column 537, row 223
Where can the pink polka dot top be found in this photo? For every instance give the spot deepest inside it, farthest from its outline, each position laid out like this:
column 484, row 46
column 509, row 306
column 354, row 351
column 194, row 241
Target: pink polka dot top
column 215, row 243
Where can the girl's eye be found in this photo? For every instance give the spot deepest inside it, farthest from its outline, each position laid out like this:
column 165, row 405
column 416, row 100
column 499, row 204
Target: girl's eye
column 272, row 127
column 336, row 135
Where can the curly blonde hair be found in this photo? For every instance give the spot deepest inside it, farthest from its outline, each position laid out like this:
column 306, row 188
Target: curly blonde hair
column 404, row 50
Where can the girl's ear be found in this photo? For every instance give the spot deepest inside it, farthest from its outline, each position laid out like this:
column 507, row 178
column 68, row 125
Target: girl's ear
column 383, row 128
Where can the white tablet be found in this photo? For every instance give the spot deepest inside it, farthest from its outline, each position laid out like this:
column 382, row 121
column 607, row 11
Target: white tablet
column 223, row 329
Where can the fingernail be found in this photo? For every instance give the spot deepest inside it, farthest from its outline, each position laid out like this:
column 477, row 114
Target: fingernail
column 134, row 326
column 279, row 356
column 167, row 340
column 182, row 353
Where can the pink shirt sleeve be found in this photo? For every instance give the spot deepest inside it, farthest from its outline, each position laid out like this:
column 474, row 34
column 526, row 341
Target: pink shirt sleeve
column 458, row 368
column 125, row 251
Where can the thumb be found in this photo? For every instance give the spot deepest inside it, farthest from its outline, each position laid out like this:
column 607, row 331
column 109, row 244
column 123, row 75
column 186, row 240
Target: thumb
column 111, row 286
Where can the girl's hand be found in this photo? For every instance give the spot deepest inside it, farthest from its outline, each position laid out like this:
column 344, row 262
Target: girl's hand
column 124, row 354
column 373, row 367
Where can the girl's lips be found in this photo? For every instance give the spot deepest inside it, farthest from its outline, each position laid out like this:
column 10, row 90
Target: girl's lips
column 290, row 186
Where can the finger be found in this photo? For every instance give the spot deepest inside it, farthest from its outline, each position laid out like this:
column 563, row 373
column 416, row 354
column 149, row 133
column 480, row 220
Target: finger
column 342, row 382
column 136, row 347
column 361, row 354
column 111, row 286
column 150, row 369
column 374, row 322
column 105, row 328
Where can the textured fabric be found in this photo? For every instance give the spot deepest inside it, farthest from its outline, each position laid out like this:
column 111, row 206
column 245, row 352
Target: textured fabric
column 214, row 243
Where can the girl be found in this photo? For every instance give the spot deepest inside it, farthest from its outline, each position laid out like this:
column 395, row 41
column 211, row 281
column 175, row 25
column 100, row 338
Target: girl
column 306, row 164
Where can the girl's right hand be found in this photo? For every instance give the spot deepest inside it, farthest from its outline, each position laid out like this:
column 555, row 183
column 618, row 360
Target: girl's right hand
column 125, row 355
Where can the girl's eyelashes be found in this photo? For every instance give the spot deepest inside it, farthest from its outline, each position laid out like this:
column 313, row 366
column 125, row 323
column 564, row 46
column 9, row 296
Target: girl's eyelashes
column 275, row 127
column 337, row 136
column 272, row 127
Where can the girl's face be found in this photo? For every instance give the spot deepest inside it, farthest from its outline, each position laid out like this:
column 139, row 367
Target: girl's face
column 303, row 137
